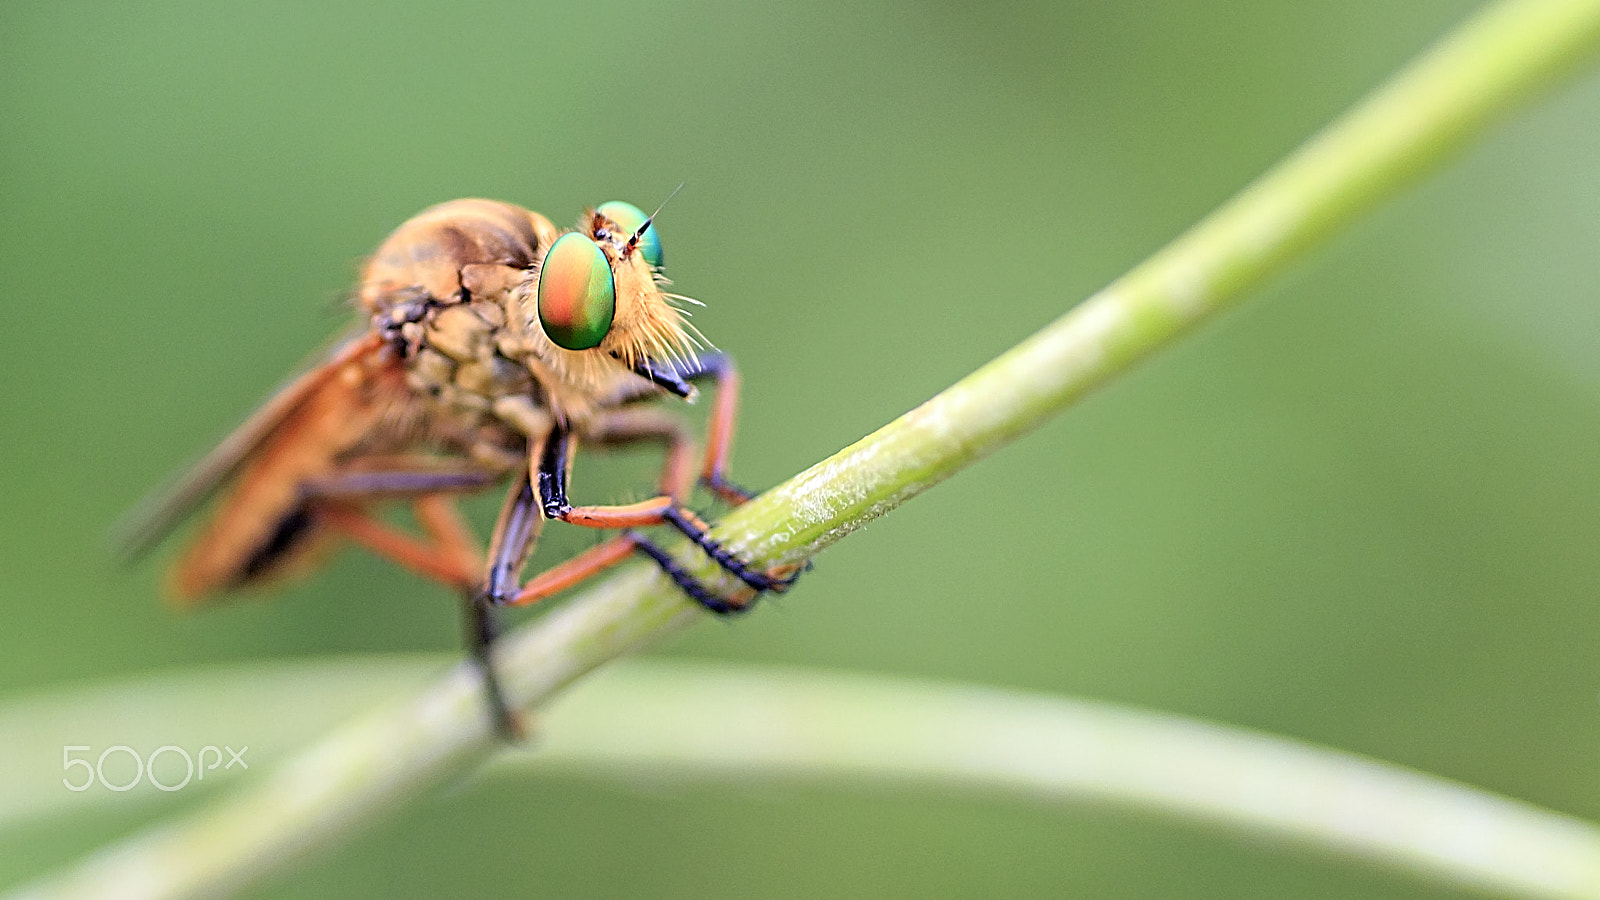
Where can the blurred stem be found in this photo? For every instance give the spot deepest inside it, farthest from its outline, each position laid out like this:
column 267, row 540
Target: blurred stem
column 1411, row 124
column 670, row 720
column 728, row 722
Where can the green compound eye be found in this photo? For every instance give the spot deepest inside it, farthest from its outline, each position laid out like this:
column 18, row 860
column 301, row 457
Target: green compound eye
column 577, row 297
column 630, row 217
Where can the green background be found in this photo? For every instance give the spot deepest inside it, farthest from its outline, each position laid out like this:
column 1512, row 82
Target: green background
column 1363, row 510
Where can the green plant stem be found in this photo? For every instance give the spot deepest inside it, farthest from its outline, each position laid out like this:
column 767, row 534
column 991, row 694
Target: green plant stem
column 639, row 720
column 728, row 722
column 1409, row 125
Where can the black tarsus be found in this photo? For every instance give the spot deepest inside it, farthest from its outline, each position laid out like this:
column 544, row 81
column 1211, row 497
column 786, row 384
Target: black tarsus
column 720, row 484
column 685, row 582
column 730, row 563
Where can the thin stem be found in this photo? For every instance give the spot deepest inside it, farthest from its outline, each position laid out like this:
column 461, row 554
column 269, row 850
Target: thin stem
column 1409, row 125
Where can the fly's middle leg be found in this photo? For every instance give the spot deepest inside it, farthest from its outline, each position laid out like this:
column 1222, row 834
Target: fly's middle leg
column 552, row 477
column 449, row 555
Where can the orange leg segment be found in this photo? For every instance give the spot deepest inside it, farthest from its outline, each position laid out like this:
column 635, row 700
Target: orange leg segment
column 719, row 432
column 575, row 570
column 449, row 555
column 452, row 565
column 634, row 515
column 442, row 521
column 632, row 426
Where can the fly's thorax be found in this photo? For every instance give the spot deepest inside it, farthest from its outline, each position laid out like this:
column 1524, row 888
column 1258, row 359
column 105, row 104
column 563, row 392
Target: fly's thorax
column 462, row 358
column 437, row 254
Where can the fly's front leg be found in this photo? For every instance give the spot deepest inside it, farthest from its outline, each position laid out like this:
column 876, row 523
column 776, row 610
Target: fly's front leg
column 724, row 410
column 552, row 477
column 637, row 425
column 719, row 442
column 719, row 432
column 621, row 428
column 719, row 429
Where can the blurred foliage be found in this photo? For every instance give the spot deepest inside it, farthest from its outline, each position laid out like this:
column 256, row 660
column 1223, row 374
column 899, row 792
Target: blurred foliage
column 1360, row 511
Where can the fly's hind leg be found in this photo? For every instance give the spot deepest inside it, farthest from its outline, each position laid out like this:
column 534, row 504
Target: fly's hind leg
column 482, row 629
column 448, row 556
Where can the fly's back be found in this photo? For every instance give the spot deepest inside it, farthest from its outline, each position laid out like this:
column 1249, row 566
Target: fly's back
column 437, row 292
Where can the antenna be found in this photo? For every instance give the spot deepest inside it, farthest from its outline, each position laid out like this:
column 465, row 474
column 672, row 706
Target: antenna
column 633, row 242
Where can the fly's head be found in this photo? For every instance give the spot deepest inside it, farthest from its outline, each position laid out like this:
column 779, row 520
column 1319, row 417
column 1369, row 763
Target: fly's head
column 598, row 304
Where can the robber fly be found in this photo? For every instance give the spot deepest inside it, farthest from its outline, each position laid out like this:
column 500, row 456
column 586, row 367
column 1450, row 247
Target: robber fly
column 495, row 343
